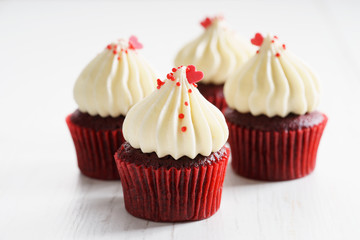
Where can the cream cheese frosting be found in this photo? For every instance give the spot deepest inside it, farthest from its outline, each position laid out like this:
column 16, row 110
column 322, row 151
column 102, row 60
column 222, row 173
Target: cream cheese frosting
column 114, row 80
column 218, row 52
column 273, row 82
column 176, row 120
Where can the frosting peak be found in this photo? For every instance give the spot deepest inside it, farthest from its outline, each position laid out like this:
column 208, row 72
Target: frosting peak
column 114, row 80
column 273, row 82
column 218, row 52
column 176, row 119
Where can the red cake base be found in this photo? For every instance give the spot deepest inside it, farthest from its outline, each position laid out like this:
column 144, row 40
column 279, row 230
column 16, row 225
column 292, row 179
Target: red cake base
column 214, row 94
column 266, row 149
column 187, row 191
column 95, row 144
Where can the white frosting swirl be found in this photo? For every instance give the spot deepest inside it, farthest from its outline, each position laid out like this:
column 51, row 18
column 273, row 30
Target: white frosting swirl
column 114, row 81
column 156, row 124
column 218, row 52
column 273, row 82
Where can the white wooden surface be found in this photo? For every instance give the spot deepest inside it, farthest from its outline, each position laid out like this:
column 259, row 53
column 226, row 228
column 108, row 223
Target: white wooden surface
column 45, row 45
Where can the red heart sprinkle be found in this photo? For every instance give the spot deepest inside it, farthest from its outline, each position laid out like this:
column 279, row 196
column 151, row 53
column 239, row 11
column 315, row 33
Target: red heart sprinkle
column 192, row 75
column 257, row 40
column 134, row 44
column 206, row 22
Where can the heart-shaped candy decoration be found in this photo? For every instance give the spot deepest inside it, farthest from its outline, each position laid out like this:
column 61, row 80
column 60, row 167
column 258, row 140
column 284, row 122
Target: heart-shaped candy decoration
column 192, row 75
column 134, row 44
column 257, row 40
column 206, row 22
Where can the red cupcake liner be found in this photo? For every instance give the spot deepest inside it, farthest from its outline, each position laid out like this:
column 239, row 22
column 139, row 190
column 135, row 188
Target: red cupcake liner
column 274, row 155
column 95, row 150
column 217, row 100
column 172, row 195
column 214, row 94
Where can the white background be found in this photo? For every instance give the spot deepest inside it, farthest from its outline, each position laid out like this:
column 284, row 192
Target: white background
column 45, row 45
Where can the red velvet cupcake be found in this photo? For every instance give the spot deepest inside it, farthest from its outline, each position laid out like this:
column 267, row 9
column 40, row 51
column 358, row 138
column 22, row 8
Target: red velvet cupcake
column 173, row 164
column 106, row 89
column 218, row 52
column 275, row 129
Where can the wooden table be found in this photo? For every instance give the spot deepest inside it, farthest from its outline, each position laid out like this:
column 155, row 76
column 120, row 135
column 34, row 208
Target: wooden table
column 45, row 45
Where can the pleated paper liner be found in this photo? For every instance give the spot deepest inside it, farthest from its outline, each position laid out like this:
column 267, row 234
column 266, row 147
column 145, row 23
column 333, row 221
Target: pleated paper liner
column 274, row 155
column 95, row 150
column 218, row 101
column 214, row 94
column 172, row 195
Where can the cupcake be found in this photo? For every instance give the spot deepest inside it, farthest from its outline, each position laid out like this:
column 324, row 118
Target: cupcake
column 173, row 163
column 275, row 129
column 218, row 52
column 106, row 89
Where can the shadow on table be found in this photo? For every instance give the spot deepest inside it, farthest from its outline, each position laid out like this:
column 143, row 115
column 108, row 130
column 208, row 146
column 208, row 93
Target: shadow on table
column 103, row 205
column 234, row 180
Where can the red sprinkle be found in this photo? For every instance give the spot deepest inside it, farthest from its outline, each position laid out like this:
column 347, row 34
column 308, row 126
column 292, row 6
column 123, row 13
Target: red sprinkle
column 257, row 51
column 194, row 84
column 206, row 22
column 178, row 84
column 109, row 46
column 170, row 76
column 284, row 47
column 181, row 116
column 275, row 37
column 277, row 54
column 159, row 82
column 190, row 91
column 174, row 69
column 183, row 129
column 126, row 51
column 272, row 41
column 118, row 58
column 186, row 104
column 114, row 52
